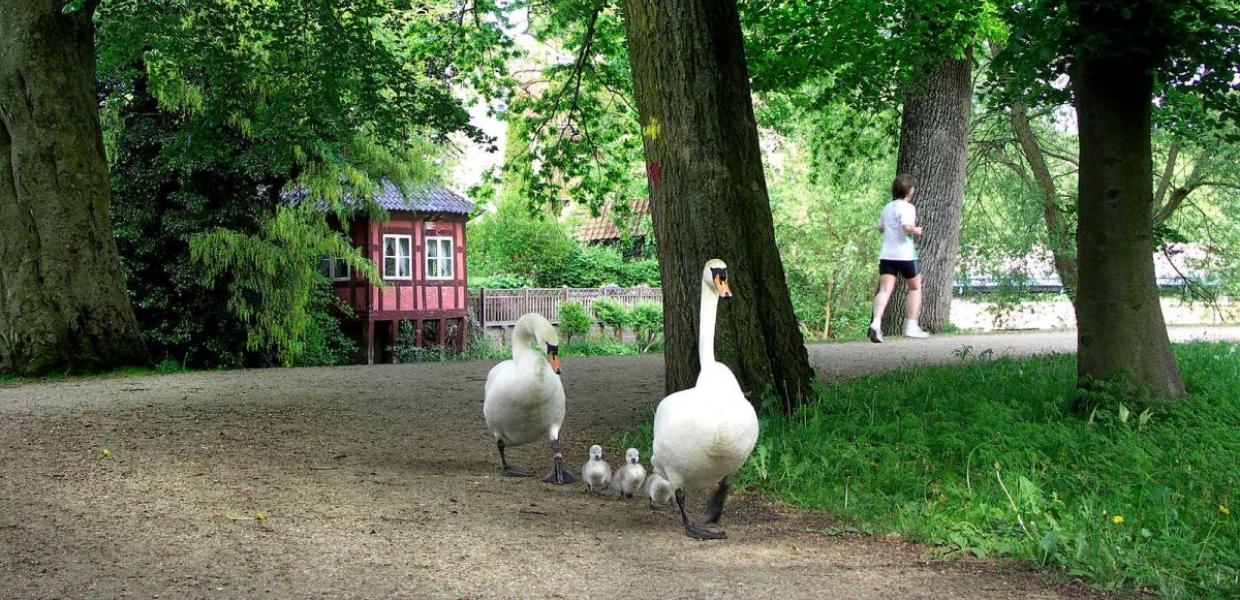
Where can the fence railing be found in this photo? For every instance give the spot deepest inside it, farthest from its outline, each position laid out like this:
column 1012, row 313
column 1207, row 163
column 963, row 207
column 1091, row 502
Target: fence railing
column 502, row 307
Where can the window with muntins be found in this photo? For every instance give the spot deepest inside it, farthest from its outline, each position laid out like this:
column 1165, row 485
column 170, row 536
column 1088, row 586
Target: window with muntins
column 335, row 269
column 397, row 257
column 439, row 258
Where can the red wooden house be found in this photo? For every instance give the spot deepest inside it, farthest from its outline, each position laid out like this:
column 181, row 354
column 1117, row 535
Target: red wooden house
column 420, row 252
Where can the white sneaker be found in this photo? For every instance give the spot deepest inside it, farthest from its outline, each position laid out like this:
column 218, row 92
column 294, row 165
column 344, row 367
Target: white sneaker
column 876, row 334
column 915, row 331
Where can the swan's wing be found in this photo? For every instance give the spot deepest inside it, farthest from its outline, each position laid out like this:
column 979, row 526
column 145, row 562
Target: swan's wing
column 497, row 373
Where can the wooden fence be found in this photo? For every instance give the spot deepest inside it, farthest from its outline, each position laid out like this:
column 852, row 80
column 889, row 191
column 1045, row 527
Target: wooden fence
column 502, row 307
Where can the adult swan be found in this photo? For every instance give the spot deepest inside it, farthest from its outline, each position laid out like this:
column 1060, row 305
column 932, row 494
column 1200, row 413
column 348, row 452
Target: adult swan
column 524, row 396
column 705, row 433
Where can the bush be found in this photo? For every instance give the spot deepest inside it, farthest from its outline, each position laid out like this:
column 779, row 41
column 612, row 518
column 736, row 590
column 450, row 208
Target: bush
column 646, row 318
column 326, row 345
column 612, row 314
column 478, row 346
column 600, row 346
column 574, row 320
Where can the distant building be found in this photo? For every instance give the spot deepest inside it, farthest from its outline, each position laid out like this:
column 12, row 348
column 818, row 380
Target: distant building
column 420, row 253
column 610, row 227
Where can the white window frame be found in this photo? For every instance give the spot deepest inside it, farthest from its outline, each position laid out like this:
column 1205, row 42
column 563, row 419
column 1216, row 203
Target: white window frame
column 331, row 266
column 408, row 258
column 449, row 259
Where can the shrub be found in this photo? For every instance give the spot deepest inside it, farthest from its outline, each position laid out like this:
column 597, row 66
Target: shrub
column 601, row 346
column 574, row 320
column 326, row 344
column 612, row 314
column 646, row 318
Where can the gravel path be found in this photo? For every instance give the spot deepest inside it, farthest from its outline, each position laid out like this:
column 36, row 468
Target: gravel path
column 377, row 482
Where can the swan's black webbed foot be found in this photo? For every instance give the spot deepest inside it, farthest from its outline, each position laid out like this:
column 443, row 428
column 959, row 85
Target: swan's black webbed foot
column 506, row 469
column 697, row 533
column 714, row 508
column 558, row 475
column 691, row 530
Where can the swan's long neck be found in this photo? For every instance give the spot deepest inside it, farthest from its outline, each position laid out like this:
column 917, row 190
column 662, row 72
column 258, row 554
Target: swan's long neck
column 522, row 344
column 706, row 327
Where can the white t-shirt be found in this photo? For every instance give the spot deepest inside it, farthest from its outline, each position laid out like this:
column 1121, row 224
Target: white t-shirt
column 897, row 245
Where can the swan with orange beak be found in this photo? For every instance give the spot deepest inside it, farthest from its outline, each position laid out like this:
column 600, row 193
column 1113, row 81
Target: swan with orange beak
column 524, row 398
column 704, row 434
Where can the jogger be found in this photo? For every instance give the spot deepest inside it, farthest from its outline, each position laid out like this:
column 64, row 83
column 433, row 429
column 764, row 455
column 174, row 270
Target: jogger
column 898, row 224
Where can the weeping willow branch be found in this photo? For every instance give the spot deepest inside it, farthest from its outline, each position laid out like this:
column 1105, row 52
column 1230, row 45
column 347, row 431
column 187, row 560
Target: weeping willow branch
column 272, row 276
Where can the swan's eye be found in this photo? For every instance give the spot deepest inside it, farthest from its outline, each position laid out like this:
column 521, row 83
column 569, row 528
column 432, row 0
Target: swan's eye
column 552, row 350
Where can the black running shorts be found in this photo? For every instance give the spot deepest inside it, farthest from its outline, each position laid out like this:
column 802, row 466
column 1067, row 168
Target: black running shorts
column 906, row 268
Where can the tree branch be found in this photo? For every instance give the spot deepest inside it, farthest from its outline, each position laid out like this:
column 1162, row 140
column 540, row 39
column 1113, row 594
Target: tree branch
column 1194, row 181
column 1168, row 170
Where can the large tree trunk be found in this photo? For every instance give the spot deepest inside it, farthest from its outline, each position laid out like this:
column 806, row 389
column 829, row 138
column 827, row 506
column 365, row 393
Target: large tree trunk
column 1120, row 327
column 62, row 304
column 934, row 139
column 708, row 194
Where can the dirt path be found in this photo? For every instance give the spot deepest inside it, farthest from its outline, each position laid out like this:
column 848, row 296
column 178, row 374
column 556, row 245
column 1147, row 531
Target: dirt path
column 381, row 482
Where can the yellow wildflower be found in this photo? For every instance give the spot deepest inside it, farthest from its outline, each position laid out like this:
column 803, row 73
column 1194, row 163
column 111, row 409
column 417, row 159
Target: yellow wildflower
column 1223, row 509
column 1118, row 519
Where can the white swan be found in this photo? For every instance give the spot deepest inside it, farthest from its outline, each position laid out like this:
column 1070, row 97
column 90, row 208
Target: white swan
column 596, row 473
column 705, row 433
column 524, row 396
column 629, row 477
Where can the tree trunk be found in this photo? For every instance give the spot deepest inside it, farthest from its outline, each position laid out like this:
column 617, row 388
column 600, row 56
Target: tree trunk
column 62, row 304
column 709, row 197
column 1058, row 232
column 1120, row 329
column 934, row 139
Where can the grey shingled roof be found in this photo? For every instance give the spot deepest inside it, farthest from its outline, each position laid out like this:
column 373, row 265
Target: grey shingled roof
column 431, row 199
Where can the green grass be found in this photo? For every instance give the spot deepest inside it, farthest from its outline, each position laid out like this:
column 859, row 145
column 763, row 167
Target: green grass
column 987, row 458
column 162, row 368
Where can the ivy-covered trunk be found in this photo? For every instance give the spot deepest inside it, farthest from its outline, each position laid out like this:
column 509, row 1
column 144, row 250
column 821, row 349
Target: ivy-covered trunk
column 934, row 139
column 1120, row 329
column 62, row 304
column 708, row 194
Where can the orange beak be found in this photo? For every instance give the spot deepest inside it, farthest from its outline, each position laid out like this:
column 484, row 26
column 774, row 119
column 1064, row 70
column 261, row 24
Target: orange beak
column 724, row 290
column 555, row 362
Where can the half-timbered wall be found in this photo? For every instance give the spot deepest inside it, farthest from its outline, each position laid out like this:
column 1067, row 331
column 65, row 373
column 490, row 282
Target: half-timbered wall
column 416, row 298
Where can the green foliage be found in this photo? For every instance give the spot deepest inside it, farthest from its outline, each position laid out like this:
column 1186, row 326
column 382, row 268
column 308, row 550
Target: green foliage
column 211, row 108
column 273, row 276
column 604, row 345
column 646, row 318
column 834, row 51
column 325, row 344
column 574, row 321
column 988, row 458
column 513, row 241
column 477, row 347
column 583, row 129
column 825, row 200
column 612, row 314
column 1193, row 53
column 595, row 266
column 514, row 247
column 499, row 281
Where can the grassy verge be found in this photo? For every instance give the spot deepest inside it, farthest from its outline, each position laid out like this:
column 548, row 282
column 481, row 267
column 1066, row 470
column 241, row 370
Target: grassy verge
column 986, row 458
column 162, row 368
